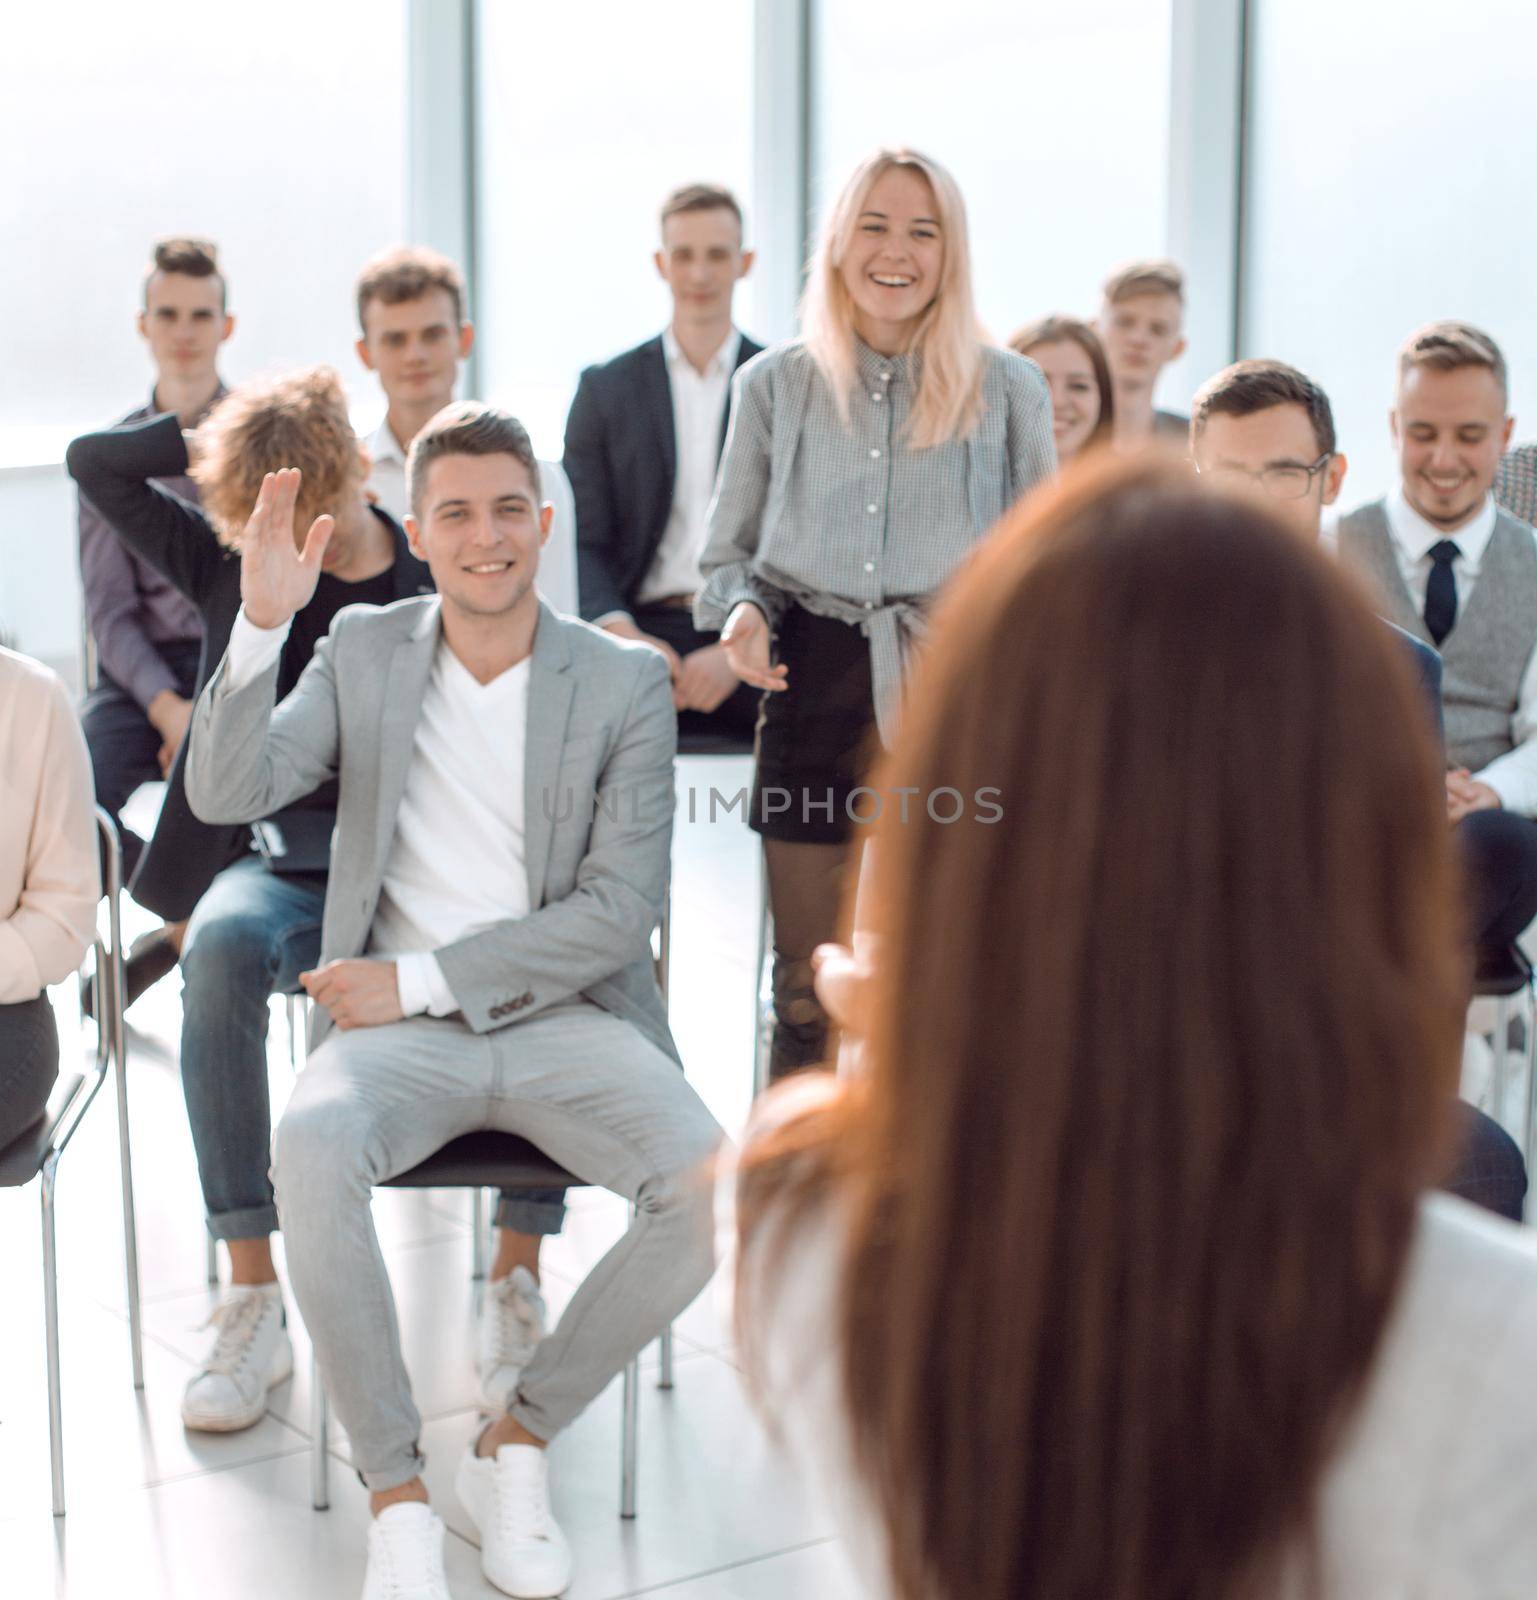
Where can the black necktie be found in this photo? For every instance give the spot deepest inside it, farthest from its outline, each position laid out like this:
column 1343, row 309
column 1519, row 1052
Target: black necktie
column 1441, row 590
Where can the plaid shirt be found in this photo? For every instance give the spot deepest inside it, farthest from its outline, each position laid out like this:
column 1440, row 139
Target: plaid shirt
column 1516, row 486
column 846, row 519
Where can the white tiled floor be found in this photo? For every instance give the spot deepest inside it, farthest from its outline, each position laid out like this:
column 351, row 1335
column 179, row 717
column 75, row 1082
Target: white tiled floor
column 154, row 1510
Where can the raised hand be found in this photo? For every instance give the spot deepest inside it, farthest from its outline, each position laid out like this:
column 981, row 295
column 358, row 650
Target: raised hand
column 276, row 577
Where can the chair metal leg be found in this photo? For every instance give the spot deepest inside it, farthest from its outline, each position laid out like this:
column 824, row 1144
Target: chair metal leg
column 664, row 941
column 478, row 1230
column 1529, row 1147
column 113, row 991
column 293, row 1032
column 664, row 1379
column 629, row 1433
column 760, row 1022
column 1497, row 1076
column 320, row 1455
column 213, row 1262
column 51, row 1318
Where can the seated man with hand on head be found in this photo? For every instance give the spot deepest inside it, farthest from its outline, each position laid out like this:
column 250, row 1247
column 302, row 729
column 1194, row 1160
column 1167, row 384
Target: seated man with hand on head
column 505, row 804
column 1267, row 425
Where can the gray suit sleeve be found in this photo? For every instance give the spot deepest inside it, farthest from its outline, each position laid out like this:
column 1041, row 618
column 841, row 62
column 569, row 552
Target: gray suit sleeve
column 605, row 923
column 246, row 760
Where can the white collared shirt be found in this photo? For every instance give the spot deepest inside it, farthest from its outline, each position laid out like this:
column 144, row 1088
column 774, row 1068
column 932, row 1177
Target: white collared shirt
column 1512, row 776
column 387, row 475
column 1413, row 538
column 557, row 562
column 456, row 863
column 698, row 406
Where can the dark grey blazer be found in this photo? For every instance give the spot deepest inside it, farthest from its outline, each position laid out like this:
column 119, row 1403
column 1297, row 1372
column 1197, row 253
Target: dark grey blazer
column 622, row 460
column 598, row 801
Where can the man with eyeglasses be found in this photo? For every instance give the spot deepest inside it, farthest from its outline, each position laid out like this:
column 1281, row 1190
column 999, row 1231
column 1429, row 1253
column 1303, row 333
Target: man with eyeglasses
column 1269, row 426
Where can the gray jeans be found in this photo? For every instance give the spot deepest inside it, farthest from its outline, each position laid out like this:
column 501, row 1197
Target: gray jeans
column 582, row 1085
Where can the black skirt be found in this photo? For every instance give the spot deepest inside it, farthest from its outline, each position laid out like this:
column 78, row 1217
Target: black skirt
column 817, row 737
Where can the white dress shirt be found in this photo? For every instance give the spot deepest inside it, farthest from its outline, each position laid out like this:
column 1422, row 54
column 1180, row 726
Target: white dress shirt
column 1512, row 776
column 387, row 475
column 456, row 863
column 557, row 562
column 698, row 406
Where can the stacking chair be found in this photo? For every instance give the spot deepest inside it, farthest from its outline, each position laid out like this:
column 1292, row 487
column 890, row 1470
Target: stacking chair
column 38, row 1151
column 1502, row 980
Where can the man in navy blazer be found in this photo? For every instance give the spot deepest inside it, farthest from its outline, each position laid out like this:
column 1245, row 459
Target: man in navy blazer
column 1270, row 424
column 643, row 442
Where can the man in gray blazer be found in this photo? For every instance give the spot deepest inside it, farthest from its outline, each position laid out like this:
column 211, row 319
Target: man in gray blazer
column 501, row 850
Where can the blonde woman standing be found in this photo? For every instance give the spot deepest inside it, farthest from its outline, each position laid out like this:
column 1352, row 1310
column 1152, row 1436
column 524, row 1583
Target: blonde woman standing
column 863, row 461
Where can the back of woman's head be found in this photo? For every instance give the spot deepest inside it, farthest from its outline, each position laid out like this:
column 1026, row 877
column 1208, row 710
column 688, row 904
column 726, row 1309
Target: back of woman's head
column 1159, row 1061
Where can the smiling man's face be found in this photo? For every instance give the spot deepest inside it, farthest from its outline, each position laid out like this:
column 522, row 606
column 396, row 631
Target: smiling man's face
column 480, row 530
column 1450, row 430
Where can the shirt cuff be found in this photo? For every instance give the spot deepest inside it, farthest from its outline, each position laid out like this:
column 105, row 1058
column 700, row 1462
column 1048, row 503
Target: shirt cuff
column 1513, row 781
column 422, row 986
column 251, row 651
column 613, row 616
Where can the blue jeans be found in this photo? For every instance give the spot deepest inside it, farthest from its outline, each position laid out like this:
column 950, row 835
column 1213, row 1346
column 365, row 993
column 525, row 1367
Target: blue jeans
column 250, row 937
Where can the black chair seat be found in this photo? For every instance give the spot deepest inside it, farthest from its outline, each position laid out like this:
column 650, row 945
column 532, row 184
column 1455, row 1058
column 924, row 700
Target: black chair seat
column 1504, row 974
column 714, row 744
column 22, row 1159
column 487, row 1159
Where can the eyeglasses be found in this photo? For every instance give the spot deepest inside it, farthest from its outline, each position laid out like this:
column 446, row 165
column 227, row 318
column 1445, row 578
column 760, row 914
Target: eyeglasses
column 1280, row 483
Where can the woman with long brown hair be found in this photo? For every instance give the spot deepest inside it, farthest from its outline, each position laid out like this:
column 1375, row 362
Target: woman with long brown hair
column 1072, row 360
column 1113, row 1275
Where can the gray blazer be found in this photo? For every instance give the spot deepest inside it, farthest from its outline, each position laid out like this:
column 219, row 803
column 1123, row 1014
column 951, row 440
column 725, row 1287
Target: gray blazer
column 598, row 801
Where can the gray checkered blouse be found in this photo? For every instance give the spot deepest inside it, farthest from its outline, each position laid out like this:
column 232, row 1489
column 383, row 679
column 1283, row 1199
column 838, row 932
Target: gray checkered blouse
column 848, row 521
column 1515, row 487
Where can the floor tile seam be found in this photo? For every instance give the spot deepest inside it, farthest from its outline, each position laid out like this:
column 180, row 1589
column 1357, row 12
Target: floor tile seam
column 717, row 1571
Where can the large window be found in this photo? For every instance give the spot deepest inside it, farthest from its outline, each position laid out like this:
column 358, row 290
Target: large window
column 1054, row 121
column 588, row 116
column 278, row 131
column 1390, row 182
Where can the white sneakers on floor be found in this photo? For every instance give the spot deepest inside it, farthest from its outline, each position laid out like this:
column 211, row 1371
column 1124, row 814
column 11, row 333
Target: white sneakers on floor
column 512, row 1322
column 405, row 1555
column 522, row 1550
column 250, row 1354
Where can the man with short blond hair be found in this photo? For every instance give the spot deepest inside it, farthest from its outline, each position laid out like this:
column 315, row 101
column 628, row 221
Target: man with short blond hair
column 1457, row 571
column 254, row 913
column 1141, row 324
column 643, row 442
column 147, row 635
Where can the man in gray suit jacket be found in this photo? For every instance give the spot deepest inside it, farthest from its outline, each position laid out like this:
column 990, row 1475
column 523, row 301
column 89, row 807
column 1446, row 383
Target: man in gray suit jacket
column 501, row 851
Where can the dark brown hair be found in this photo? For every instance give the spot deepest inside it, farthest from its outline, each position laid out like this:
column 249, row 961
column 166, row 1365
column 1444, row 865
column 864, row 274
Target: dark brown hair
column 1248, row 387
column 1449, row 346
column 192, row 258
column 406, row 274
column 1157, row 1065
column 1059, row 330
column 467, row 428
column 699, row 197
column 1144, row 277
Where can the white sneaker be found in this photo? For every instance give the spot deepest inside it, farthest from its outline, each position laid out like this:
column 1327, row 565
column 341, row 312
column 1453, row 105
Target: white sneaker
column 250, row 1354
column 522, row 1550
column 512, row 1322
column 405, row 1554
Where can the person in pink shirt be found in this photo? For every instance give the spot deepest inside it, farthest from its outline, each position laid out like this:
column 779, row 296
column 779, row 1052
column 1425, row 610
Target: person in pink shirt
column 49, row 879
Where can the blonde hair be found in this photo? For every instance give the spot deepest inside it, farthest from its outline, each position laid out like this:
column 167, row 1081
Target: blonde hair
column 1450, row 346
column 948, row 343
column 1145, row 277
column 299, row 420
